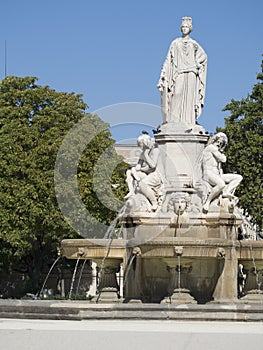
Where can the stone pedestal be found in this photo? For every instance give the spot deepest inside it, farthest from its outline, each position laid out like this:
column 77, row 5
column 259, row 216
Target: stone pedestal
column 181, row 155
column 254, row 276
column 108, row 288
column 253, row 286
column 180, row 296
column 179, row 271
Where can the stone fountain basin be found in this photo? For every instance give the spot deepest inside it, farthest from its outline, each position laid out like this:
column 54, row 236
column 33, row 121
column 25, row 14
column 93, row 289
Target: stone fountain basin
column 162, row 247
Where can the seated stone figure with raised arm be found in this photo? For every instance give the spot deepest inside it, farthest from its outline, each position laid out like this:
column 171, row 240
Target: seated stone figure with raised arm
column 144, row 178
column 220, row 183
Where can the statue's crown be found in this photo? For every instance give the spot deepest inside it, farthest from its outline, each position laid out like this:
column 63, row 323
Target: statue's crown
column 187, row 21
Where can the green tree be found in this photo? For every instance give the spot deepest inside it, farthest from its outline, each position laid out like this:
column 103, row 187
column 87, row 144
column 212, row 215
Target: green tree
column 34, row 120
column 244, row 154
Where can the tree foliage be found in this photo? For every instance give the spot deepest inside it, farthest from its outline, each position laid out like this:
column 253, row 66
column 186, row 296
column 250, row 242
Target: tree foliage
column 245, row 151
column 34, row 120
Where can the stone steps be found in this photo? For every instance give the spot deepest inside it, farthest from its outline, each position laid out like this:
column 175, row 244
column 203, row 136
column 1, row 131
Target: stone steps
column 82, row 310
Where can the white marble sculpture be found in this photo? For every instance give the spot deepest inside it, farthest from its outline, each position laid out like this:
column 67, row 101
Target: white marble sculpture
column 144, row 178
column 179, row 204
column 183, row 79
column 220, row 183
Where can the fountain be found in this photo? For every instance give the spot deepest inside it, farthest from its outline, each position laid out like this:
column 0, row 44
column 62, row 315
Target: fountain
column 180, row 222
column 40, row 294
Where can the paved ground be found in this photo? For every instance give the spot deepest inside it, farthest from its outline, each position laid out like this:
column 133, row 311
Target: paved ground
column 126, row 335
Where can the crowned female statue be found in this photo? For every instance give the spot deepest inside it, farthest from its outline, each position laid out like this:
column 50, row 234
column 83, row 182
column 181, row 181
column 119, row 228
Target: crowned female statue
column 183, row 79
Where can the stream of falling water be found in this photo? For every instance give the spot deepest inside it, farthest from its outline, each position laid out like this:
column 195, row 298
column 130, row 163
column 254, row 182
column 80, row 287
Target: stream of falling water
column 179, row 273
column 110, row 230
column 47, row 276
column 109, row 235
column 179, row 258
column 73, row 279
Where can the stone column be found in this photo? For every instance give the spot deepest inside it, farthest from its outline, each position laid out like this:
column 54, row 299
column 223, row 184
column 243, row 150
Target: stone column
column 226, row 289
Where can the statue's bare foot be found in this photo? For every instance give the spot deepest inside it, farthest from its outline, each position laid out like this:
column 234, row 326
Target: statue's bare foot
column 154, row 207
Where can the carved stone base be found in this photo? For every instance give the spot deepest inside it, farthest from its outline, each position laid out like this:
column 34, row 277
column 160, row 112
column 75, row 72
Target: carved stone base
column 108, row 296
column 180, row 296
column 134, row 301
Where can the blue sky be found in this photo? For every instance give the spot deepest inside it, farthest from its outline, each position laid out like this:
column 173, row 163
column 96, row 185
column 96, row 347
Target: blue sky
column 112, row 51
